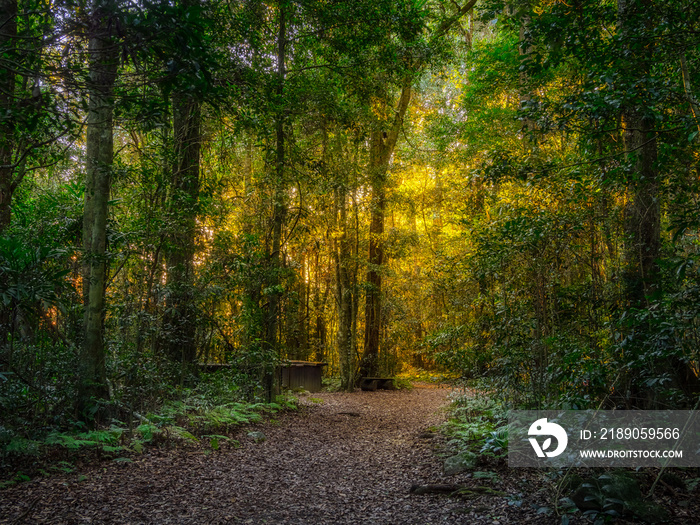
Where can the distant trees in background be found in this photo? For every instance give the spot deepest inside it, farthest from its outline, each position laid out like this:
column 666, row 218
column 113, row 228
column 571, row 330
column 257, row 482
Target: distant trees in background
column 505, row 191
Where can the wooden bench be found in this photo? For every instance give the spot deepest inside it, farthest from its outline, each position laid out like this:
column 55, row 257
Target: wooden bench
column 371, row 384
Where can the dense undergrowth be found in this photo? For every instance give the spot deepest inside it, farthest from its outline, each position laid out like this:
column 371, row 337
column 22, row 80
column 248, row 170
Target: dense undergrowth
column 205, row 415
column 477, row 434
column 478, row 423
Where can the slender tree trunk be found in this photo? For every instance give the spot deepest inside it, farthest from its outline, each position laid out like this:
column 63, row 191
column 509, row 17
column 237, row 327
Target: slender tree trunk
column 382, row 144
column 180, row 321
column 103, row 60
column 319, row 337
column 373, row 299
column 8, row 39
column 525, row 52
column 279, row 208
column 687, row 86
column 344, row 293
column 355, row 254
column 303, row 311
column 320, row 328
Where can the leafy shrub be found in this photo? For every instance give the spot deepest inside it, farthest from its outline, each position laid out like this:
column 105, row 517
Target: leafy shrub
column 477, row 423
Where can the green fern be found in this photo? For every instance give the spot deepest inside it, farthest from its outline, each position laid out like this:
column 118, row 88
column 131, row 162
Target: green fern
column 20, row 445
column 215, row 439
column 147, row 431
column 182, row 433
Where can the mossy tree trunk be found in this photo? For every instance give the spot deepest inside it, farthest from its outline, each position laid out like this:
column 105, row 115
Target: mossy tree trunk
column 103, row 62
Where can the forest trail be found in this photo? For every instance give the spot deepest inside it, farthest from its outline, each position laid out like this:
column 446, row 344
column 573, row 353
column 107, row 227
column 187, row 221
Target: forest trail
column 350, row 458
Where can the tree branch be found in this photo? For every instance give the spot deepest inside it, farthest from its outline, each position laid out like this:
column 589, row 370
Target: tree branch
column 448, row 23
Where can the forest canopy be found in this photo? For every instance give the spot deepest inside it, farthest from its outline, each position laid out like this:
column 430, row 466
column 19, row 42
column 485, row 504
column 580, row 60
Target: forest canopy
column 501, row 192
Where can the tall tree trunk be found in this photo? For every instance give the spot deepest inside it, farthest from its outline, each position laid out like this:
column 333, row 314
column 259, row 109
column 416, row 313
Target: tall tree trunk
column 181, row 318
column 303, row 310
column 279, row 208
column 8, row 39
column 643, row 212
column 382, row 143
column 373, row 300
column 103, row 60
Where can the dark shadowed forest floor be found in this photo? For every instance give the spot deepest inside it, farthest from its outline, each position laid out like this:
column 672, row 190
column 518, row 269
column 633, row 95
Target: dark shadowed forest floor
column 350, row 458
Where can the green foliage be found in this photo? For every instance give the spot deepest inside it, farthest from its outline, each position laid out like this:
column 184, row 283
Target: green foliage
column 204, row 414
column 19, row 477
column 20, row 445
column 215, row 440
column 30, row 278
column 496, row 442
column 506, row 210
column 106, row 440
column 476, row 424
column 403, row 384
column 49, row 214
column 615, row 493
column 65, row 467
column 40, row 386
column 332, row 384
column 204, row 417
column 148, row 431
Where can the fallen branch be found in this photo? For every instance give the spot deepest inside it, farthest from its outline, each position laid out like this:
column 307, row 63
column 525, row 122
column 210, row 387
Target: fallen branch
column 435, row 489
column 455, row 490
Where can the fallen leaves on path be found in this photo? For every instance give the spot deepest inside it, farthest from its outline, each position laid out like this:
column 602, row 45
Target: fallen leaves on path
column 351, row 459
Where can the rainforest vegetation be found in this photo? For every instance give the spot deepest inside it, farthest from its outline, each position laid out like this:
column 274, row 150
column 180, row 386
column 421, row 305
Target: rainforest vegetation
column 504, row 192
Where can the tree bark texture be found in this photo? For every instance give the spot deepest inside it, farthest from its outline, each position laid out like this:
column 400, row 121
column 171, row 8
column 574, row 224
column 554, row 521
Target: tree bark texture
column 103, row 62
column 643, row 211
column 279, row 208
column 181, row 317
column 687, row 86
column 8, row 39
column 344, row 293
column 382, row 143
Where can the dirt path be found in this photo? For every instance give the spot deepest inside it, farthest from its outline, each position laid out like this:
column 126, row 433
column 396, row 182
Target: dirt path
column 350, row 459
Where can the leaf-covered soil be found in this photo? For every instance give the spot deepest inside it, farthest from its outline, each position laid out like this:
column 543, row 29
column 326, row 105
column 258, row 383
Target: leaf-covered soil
column 344, row 458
